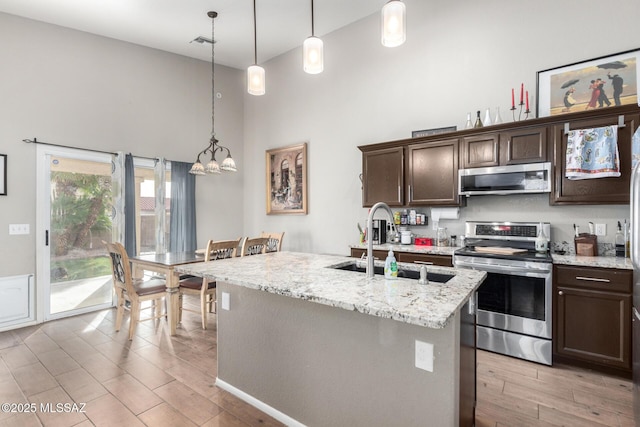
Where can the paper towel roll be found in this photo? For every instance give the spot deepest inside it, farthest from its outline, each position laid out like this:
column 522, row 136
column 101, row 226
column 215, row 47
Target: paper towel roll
column 444, row 213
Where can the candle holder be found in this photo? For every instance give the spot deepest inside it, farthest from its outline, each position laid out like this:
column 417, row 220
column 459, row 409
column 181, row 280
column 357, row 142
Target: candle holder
column 526, row 112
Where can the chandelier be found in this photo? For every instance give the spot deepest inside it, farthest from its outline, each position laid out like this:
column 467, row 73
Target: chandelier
column 228, row 164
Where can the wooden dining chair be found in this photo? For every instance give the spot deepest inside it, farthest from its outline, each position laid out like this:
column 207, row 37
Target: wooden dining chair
column 254, row 246
column 134, row 292
column 275, row 241
column 203, row 287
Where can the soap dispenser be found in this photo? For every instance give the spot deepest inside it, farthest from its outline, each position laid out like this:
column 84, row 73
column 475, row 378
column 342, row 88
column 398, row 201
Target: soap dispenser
column 390, row 266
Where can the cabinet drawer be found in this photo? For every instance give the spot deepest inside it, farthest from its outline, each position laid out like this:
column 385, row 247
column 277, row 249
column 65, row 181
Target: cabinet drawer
column 441, row 260
column 595, row 278
column 357, row 253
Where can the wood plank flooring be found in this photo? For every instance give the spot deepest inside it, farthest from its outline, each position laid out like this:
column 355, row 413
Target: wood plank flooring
column 157, row 380
column 514, row 392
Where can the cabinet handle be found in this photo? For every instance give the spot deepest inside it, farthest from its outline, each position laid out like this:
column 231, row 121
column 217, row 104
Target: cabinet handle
column 423, row 262
column 560, row 293
column 399, row 194
column 592, row 279
column 410, row 193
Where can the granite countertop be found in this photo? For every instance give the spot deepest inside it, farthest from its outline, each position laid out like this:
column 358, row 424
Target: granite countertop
column 306, row 276
column 593, row 261
column 587, row 261
column 420, row 249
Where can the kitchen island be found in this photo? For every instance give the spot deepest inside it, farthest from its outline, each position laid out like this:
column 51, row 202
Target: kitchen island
column 314, row 345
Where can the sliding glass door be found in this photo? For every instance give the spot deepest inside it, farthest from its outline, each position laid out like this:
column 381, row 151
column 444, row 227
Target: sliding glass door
column 75, row 216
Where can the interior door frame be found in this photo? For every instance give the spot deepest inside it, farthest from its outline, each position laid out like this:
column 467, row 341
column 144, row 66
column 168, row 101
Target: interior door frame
column 43, row 225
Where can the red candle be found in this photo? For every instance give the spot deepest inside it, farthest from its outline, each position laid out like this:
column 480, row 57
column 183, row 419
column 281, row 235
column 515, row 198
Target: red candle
column 527, row 100
column 513, row 102
column 521, row 92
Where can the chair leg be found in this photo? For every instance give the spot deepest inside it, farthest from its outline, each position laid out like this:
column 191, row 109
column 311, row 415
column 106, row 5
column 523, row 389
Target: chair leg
column 135, row 318
column 119, row 310
column 203, row 310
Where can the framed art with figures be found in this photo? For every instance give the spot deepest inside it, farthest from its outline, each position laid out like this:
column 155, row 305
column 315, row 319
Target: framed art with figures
column 597, row 83
column 287, row 180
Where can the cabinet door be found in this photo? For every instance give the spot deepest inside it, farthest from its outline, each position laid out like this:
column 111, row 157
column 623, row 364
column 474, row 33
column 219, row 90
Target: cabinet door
column 433, row 173
column 480, row 151
column 383, row 176
column 527, row 145
column 377, row 254
column 594, row 326
column 593, row 191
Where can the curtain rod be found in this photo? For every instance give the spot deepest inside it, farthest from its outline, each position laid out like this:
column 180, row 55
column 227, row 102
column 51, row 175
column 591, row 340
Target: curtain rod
column 35, row 141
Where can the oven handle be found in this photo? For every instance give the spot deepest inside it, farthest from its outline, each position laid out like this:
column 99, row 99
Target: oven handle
column 503, row 269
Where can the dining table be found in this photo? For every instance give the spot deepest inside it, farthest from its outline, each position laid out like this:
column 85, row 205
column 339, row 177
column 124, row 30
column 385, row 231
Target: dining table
column 165, row 264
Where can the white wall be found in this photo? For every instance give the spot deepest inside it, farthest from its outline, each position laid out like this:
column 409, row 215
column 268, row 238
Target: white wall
column 72, row 88
column 459, row 57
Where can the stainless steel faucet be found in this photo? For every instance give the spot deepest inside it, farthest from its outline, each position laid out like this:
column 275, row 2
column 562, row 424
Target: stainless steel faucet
column 370, row 272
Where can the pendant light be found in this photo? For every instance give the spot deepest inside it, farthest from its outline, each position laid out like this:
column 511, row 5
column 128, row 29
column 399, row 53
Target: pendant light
column 228, row 165
column 255, row 73
column 394, row 31
column 312, row 56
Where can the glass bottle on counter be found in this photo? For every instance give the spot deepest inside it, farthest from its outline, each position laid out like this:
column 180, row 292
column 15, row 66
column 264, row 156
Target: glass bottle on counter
column 478, row 123
column 442, row 239
column 542, row 244
column 468, row 125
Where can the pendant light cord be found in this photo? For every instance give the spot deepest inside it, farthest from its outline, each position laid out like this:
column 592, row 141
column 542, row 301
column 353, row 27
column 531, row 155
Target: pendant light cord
column 255, row 35
column 312, row 26
column 213, row 87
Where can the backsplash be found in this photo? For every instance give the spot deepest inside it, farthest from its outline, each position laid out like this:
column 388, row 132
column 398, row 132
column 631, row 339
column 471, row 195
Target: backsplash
column 568, row 248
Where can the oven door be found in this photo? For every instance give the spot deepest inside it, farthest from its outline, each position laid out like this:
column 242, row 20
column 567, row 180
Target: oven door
column 515, row 296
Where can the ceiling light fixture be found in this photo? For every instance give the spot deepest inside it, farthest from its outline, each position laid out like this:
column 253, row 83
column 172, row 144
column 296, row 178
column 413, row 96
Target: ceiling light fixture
column 228, row 165
column 255, row 73
column 312, row 55
column 394, row 31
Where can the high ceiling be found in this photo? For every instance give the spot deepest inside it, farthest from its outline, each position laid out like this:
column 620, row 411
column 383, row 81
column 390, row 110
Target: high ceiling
column 170, row 25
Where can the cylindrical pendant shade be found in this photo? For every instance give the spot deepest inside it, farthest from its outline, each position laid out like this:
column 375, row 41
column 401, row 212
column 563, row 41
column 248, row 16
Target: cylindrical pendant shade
column 255, row 80
column 312, row 55
column 394, row 31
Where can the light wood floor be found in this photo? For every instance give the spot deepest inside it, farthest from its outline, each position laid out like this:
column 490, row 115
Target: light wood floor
column 156, row 380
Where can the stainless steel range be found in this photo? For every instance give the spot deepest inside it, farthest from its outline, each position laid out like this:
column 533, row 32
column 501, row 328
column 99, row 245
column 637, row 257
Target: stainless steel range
column 514, row 302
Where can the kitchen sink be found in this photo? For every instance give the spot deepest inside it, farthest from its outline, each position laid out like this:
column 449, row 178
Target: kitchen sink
column 407, row 274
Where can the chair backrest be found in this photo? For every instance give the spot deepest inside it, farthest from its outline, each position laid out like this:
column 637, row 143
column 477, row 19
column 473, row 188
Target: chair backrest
column 120, row 268
column 221, row 249
column 255, row 246
column 275, row 241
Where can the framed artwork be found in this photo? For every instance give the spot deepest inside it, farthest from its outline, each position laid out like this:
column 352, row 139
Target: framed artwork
column 287, row 180
column 602, row 82
column 427, row 132
column 3, row 174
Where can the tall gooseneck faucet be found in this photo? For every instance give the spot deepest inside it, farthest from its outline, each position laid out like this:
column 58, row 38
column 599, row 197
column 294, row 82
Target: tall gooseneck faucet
column 372, row 211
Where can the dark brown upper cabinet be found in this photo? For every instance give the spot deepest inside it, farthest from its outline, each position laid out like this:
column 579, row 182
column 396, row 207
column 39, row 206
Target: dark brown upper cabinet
column 432, row 173
column 510, row 147
column 593, row 191
column 383, row 176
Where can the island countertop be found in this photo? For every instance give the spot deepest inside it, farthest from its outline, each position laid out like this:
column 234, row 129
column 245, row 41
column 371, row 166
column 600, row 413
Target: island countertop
column 309, row 277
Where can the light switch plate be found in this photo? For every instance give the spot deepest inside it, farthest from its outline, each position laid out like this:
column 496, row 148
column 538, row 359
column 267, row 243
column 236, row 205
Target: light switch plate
column 601, row 229
column 225, row 301
column 18, row 229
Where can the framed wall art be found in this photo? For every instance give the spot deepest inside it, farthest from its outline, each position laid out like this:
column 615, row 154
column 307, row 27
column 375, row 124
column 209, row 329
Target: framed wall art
column 3, row 174
column 597, row 83
column 427, row 132
column 287, row 180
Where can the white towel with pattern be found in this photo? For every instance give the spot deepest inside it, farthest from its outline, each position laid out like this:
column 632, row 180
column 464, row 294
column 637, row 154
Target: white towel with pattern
column 593, row 153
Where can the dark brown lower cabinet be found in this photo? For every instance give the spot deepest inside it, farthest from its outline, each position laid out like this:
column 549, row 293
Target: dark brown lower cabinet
column 417, row 258
column 592, row 318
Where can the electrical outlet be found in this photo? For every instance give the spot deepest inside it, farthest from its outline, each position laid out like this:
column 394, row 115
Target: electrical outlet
column 225, row 300
column 424, row 356
column 601, row 229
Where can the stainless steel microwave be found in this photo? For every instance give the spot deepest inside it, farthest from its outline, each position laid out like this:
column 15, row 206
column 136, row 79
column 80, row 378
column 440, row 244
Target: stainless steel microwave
column 512, row 179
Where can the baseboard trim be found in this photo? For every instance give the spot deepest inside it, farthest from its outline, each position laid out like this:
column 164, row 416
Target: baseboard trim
column 283, row 418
